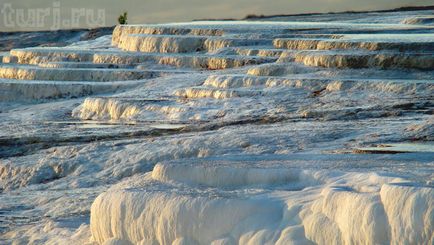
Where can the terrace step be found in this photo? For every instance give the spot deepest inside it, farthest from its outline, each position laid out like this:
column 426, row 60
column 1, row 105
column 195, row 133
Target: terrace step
column 357, row 59
column 9, row 59
column 123, row 30
column 400, row 42
column 233, row 81
column 26, row 72
column 262, row 51
column 72, row 64
column 215, row 93
column 182, row 44
column 200, row 61
column 29, row 90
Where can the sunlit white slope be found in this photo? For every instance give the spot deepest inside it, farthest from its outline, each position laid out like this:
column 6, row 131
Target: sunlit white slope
column 258, row 203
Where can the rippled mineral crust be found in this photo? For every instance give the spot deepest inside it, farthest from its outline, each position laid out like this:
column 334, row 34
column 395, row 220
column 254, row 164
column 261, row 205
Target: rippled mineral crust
column 315, row 129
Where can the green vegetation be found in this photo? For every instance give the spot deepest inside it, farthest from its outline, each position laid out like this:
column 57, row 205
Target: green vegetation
column 123, row 18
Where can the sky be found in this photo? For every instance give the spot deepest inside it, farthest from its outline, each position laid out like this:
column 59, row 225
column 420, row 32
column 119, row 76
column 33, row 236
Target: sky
column 65, row 14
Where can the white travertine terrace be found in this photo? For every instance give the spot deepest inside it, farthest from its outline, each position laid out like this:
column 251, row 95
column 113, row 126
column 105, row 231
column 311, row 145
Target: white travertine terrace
column 30, row 90
column 365, row 60
column 71, row 74
column 223, row 132
column 417, row 20
column 351, row 42
column 343, row 214
column 126, row 30
column 161, row 44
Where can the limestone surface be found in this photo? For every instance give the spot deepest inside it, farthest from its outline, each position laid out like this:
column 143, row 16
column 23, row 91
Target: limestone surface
column 315, row 129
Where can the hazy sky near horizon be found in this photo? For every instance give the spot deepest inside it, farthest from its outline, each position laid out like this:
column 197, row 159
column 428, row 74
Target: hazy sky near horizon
column 147, row 11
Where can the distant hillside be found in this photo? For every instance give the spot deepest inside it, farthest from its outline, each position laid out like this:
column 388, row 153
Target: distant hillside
column 11, row 40
column 400, row 9
column 261, row 16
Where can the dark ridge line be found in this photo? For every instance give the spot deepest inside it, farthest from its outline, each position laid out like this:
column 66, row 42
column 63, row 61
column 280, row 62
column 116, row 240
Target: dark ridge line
column 102, row 28
column 261, row 16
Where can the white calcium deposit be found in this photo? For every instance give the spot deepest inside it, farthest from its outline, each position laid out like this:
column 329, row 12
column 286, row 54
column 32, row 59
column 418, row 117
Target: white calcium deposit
column 314, row 129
